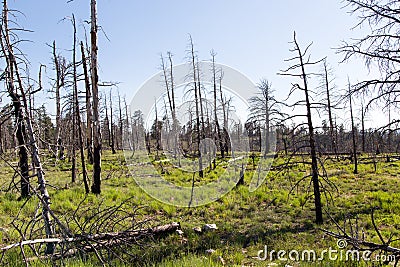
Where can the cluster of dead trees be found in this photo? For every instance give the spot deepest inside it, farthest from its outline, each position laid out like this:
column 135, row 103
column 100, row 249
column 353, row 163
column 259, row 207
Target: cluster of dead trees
column 87, row 121
column 32, row 128
column 24, row 125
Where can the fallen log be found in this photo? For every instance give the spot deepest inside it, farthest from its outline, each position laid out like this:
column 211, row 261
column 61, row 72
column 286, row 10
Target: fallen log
column 83, row 243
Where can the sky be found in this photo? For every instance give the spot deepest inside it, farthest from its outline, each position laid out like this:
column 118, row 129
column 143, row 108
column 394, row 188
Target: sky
column 250, row 36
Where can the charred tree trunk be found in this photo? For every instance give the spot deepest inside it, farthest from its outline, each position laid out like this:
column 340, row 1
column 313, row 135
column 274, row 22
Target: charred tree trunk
column 193, row 62
column 314, row 160
column 89, row 122
column 58, row 141
column 96, row 184
column 329, row 106
column 120, row 122
column 77, row 111
column 218, row 129
column 111, row 129
column 23, row 120
column 353, row 134
column 363, row 127
column 73, row 143
column 23, row 163
column 225, row 126
column 20, row 135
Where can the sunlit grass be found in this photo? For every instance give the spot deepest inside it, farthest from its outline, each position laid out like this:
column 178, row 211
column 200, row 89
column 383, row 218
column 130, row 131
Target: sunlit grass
column 246, row 221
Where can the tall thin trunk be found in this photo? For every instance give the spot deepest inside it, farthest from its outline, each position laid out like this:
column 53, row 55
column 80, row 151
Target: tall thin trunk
column 200, row 101
column 363, row 127
column 266, row 93
column 174, row 120
column 314, row 162
column 353, row 133
column 77, row 111
column 73, row 143
column 111, row 129
column 57, row 141
column 157, row 134
column 218, row 130
column 73, row 132
column 225, row 126
column 121, row 122
column 89, row 123
column 331, row 126
column 193, row 61
column 128, row 128
column 107, row 122
column 96, row 184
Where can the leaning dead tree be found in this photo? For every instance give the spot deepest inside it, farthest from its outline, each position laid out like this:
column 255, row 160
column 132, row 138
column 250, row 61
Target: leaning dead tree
column 25, row 131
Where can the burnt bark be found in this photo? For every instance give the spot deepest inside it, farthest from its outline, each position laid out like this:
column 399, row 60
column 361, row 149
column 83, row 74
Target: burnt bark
column 89, row 123
column 96, row 184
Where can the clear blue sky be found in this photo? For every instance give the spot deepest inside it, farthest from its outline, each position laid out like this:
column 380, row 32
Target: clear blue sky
column 251, row 36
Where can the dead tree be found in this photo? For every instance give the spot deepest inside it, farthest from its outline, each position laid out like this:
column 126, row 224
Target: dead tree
column 168, row 76
column 224, row 113
column 363, row 131
column 197, row 100
column 77, row 109
column 120, row 123
column 15, row 96
column 265, row 111
column 329, row 107
column 25, row 129
column 111, row 127
column 89, row 122
column 378, row 48
column 301, row 61
column 59, row 83
column 353, row 133
column 96, row 184
column 216, row 121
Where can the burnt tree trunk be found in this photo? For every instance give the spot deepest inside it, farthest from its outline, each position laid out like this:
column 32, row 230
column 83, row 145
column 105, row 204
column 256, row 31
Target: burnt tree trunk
column 58, row 141
column 193, row 62
column 329, row 106
column 314, row 160
column 111, row 129
column 89, row 123
column 353, row 134
column 24, row 123
column 77, row 111
column 218, row 129
column 96, row 184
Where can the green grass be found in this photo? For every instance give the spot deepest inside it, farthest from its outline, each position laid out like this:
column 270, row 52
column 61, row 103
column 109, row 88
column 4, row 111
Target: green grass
column 247, row 221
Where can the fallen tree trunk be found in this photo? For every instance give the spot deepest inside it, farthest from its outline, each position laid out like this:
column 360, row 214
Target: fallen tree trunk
column 93, row 243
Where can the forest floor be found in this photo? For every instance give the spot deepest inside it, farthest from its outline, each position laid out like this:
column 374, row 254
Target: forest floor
column 272, row 218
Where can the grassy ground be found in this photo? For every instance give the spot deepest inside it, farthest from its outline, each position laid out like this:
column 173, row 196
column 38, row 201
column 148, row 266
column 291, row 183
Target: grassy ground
column 270, row 217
